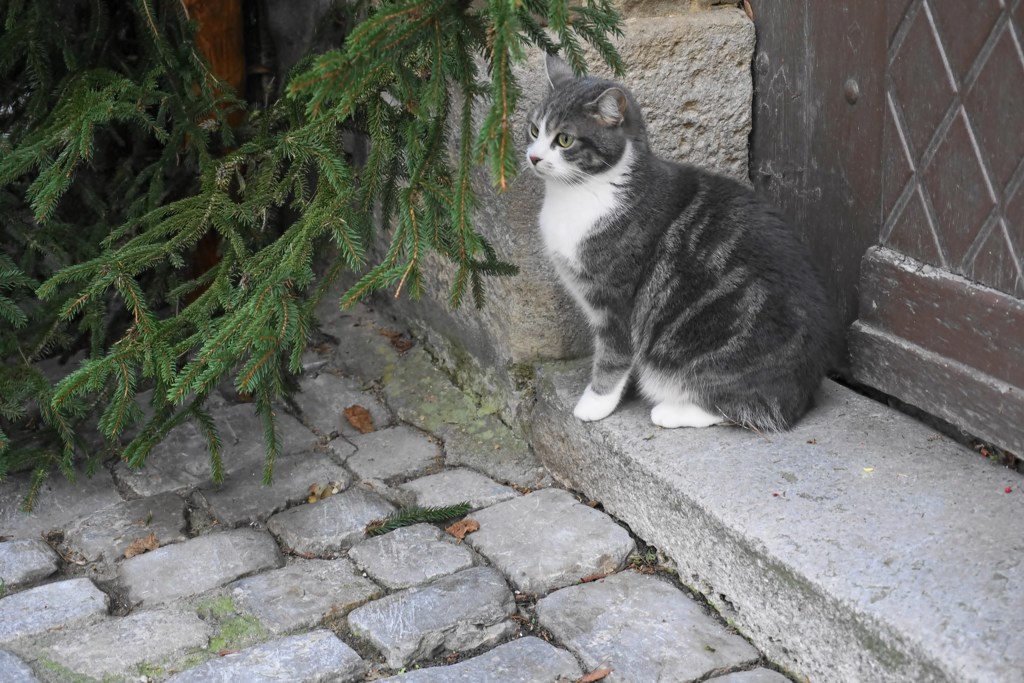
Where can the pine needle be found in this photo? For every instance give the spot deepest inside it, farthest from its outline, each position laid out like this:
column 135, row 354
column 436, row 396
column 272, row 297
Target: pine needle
column 415, row 514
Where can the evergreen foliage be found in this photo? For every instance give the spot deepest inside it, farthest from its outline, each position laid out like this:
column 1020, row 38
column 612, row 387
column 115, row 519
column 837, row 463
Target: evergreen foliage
column 415, row 514
column 117, row 158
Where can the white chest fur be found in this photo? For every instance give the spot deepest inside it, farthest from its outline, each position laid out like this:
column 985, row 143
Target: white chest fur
column 571, row 212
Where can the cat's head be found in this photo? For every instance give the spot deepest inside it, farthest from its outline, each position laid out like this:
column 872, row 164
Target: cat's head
column 583, row 128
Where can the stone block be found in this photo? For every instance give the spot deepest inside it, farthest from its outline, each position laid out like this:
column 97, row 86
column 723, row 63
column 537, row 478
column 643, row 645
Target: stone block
column 410, row 556
column 642, row 628
column 547, row 539
column 457, row 486
column 316, row 657
column 690, row 72
column 243, row 499
column 422, row 395
column 196, row 566
column 46, row 608
column 58, row 504
column 463, row 611
column 104, row 535
column 325, row 397
column 366, row 352
column 181, row 461
column 301, row 594
column 25, row 561
column 526, row 660
column 15, row 670
column 396, row 452
column 329, row 526
column 116, row 647
column 760, row 675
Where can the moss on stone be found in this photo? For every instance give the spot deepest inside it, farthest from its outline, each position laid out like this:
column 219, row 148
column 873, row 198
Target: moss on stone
column 237, row 633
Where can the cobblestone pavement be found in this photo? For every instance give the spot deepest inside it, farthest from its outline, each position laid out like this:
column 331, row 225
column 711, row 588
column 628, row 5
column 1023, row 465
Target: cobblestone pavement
column 158, row 574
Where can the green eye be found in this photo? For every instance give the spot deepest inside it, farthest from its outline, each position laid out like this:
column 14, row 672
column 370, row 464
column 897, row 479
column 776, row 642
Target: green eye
column 534, row 130
column 564, row 140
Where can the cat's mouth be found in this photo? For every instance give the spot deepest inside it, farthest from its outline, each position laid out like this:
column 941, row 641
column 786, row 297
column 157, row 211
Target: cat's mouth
column 535, row 167
column 542, row 169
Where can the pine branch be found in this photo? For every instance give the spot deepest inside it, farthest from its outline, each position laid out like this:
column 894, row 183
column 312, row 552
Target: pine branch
column 408, row 516
column 118, row 158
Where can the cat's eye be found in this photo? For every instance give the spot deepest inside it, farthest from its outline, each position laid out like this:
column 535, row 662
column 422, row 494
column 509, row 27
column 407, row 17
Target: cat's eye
column 534, row 130
column 564, row 140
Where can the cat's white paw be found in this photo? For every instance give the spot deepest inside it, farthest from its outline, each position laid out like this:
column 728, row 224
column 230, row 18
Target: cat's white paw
column 593, row 406
column 672, row 415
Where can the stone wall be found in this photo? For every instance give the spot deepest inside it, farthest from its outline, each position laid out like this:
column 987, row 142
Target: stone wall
column 689, row 67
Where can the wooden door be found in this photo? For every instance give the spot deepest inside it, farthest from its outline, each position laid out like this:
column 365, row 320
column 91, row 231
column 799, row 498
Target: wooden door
column 937, row 307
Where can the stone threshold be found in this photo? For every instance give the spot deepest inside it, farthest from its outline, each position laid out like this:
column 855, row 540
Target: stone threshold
column 860, row 546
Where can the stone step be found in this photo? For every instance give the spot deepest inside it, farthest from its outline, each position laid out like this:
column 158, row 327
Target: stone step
column 860, row 546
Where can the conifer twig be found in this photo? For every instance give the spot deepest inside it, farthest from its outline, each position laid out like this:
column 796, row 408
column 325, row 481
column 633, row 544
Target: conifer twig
column 415, row 514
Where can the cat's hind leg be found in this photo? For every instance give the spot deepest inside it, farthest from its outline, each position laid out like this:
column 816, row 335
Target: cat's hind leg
column 673, row 404
column 671, row 415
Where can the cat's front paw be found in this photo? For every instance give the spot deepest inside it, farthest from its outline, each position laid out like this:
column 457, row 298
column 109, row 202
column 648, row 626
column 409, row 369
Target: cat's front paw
column 673, row 415
column 593, row 406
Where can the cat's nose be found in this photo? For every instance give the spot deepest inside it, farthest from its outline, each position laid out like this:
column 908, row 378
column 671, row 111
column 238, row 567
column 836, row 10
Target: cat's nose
column 534, row 159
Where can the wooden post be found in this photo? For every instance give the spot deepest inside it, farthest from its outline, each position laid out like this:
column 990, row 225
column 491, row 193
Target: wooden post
column 221, row 40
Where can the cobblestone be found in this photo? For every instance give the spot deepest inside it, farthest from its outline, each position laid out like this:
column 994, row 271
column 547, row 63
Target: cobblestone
column 422, row 395
column 117, row 646
column 548, row 539
column 752, row 676
column 329, row 526
column 58, row 504
column 15, row 670
column 410, row 556
column 301, row 594
column 456, row 486
column 395, row 452
column 199, row 565
column 323, row 401
column 525, row 660
column 25, row 561
column 181, row 461
column 243, row 499
column 104, row 535
column 45, row 608
column 459, row 612
column 307, row 658
column 412, row 595
column 643, row 628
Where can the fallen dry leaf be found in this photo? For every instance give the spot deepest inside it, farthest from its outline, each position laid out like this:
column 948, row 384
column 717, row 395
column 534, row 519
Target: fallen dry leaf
column 224, row 653
column 595, row 675
column 142, row 545
column 359, row 418
column 319, row 492
column 748, row 9
column 399, row 342
column 594, row 577
column 461, row 528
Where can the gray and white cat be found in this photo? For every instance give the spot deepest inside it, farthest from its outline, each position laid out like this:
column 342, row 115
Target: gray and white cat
column 692, row 285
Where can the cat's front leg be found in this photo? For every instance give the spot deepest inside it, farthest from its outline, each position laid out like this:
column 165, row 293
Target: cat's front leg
column 610, row 374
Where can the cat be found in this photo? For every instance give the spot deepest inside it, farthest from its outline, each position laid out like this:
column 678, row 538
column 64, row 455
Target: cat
column 692, row 285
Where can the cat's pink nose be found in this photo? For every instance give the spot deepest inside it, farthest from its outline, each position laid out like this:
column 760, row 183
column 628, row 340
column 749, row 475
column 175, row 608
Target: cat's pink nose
column 534, row 159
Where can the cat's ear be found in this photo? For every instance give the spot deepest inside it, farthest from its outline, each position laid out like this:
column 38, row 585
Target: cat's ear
column 558, row 72
column 610, row 107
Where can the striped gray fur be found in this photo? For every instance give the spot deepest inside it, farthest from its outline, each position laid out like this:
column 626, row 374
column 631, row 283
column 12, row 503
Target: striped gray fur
column 695, row 288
